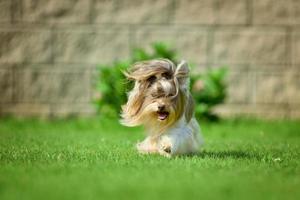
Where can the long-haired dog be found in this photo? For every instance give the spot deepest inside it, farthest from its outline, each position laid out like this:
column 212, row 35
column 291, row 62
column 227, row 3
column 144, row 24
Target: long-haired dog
column 161, row 101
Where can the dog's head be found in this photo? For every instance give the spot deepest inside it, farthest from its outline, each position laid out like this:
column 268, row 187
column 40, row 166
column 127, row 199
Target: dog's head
column 160, row 95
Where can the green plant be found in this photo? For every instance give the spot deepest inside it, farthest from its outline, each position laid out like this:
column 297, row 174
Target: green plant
column 208, row 89
column 159, row 50
column 111, row 88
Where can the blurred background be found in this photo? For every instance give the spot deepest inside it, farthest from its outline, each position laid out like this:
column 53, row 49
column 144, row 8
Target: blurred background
column 50, row 51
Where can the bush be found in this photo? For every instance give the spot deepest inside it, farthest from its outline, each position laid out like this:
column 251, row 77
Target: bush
column 208, row 89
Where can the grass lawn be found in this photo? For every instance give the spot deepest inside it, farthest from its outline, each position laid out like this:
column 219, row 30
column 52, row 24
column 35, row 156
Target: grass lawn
column 96, row 159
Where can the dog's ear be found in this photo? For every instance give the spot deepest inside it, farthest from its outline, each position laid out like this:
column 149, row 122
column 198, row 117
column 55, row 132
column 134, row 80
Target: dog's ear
column 182, row 74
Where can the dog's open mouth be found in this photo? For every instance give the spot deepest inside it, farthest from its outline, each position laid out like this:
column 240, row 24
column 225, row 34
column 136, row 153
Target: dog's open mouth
column 162, row 115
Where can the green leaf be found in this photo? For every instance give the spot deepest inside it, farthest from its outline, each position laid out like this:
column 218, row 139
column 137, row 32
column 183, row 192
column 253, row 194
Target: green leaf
column 113, row 86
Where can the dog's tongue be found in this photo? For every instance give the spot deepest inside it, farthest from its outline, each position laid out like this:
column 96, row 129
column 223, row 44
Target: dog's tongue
column 162, row 115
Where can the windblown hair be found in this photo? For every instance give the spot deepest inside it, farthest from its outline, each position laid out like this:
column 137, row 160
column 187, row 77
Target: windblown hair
column 157, row 82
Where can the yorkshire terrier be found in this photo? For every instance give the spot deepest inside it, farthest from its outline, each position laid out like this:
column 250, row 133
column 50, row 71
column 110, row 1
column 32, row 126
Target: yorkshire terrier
column 160, row 100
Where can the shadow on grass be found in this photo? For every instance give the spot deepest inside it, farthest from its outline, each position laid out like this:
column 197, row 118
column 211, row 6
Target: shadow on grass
column 235, row 154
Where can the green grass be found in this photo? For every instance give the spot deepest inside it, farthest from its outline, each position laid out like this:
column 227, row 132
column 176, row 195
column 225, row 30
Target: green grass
column 96, row 159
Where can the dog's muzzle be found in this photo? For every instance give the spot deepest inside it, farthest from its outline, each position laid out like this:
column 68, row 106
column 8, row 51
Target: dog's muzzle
column 161, row 113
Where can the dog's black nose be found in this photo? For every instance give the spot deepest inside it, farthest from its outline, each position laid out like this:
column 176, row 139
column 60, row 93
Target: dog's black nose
column 161, row 107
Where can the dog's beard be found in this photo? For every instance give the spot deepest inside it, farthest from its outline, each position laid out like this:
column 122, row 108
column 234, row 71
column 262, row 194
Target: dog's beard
column 157, row 121
column 157, row 82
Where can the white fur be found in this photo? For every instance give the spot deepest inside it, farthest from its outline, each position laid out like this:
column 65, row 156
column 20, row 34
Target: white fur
column 169, row 138
column 167, row 87
column 182, row 138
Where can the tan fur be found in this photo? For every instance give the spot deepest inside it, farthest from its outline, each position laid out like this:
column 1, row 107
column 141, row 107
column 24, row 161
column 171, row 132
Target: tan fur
column 140, row 71
column 161, row 101
column 182, row 74
column 168, row 89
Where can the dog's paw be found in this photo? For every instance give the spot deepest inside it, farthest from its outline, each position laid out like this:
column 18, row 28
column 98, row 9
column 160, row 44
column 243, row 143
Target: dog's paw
column 145, row 148
column 165, row 149
column 166, row 152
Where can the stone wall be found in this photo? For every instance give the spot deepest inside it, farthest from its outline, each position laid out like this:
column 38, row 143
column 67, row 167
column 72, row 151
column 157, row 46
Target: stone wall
column 49, row 49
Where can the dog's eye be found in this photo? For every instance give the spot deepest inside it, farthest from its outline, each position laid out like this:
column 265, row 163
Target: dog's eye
column 154, row 95
column 166, row 75
column 151, row 79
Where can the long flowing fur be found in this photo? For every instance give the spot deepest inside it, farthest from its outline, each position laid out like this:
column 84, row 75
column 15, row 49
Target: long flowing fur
column 160, row 100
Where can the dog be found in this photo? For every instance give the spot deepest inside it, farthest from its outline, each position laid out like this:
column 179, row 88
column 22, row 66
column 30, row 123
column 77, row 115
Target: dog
column 160, row 101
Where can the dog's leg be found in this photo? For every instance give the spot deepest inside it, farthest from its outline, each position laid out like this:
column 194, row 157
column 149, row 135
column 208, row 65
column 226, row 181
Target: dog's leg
column 149, row 145
column 178, row 143
column 165, row 147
